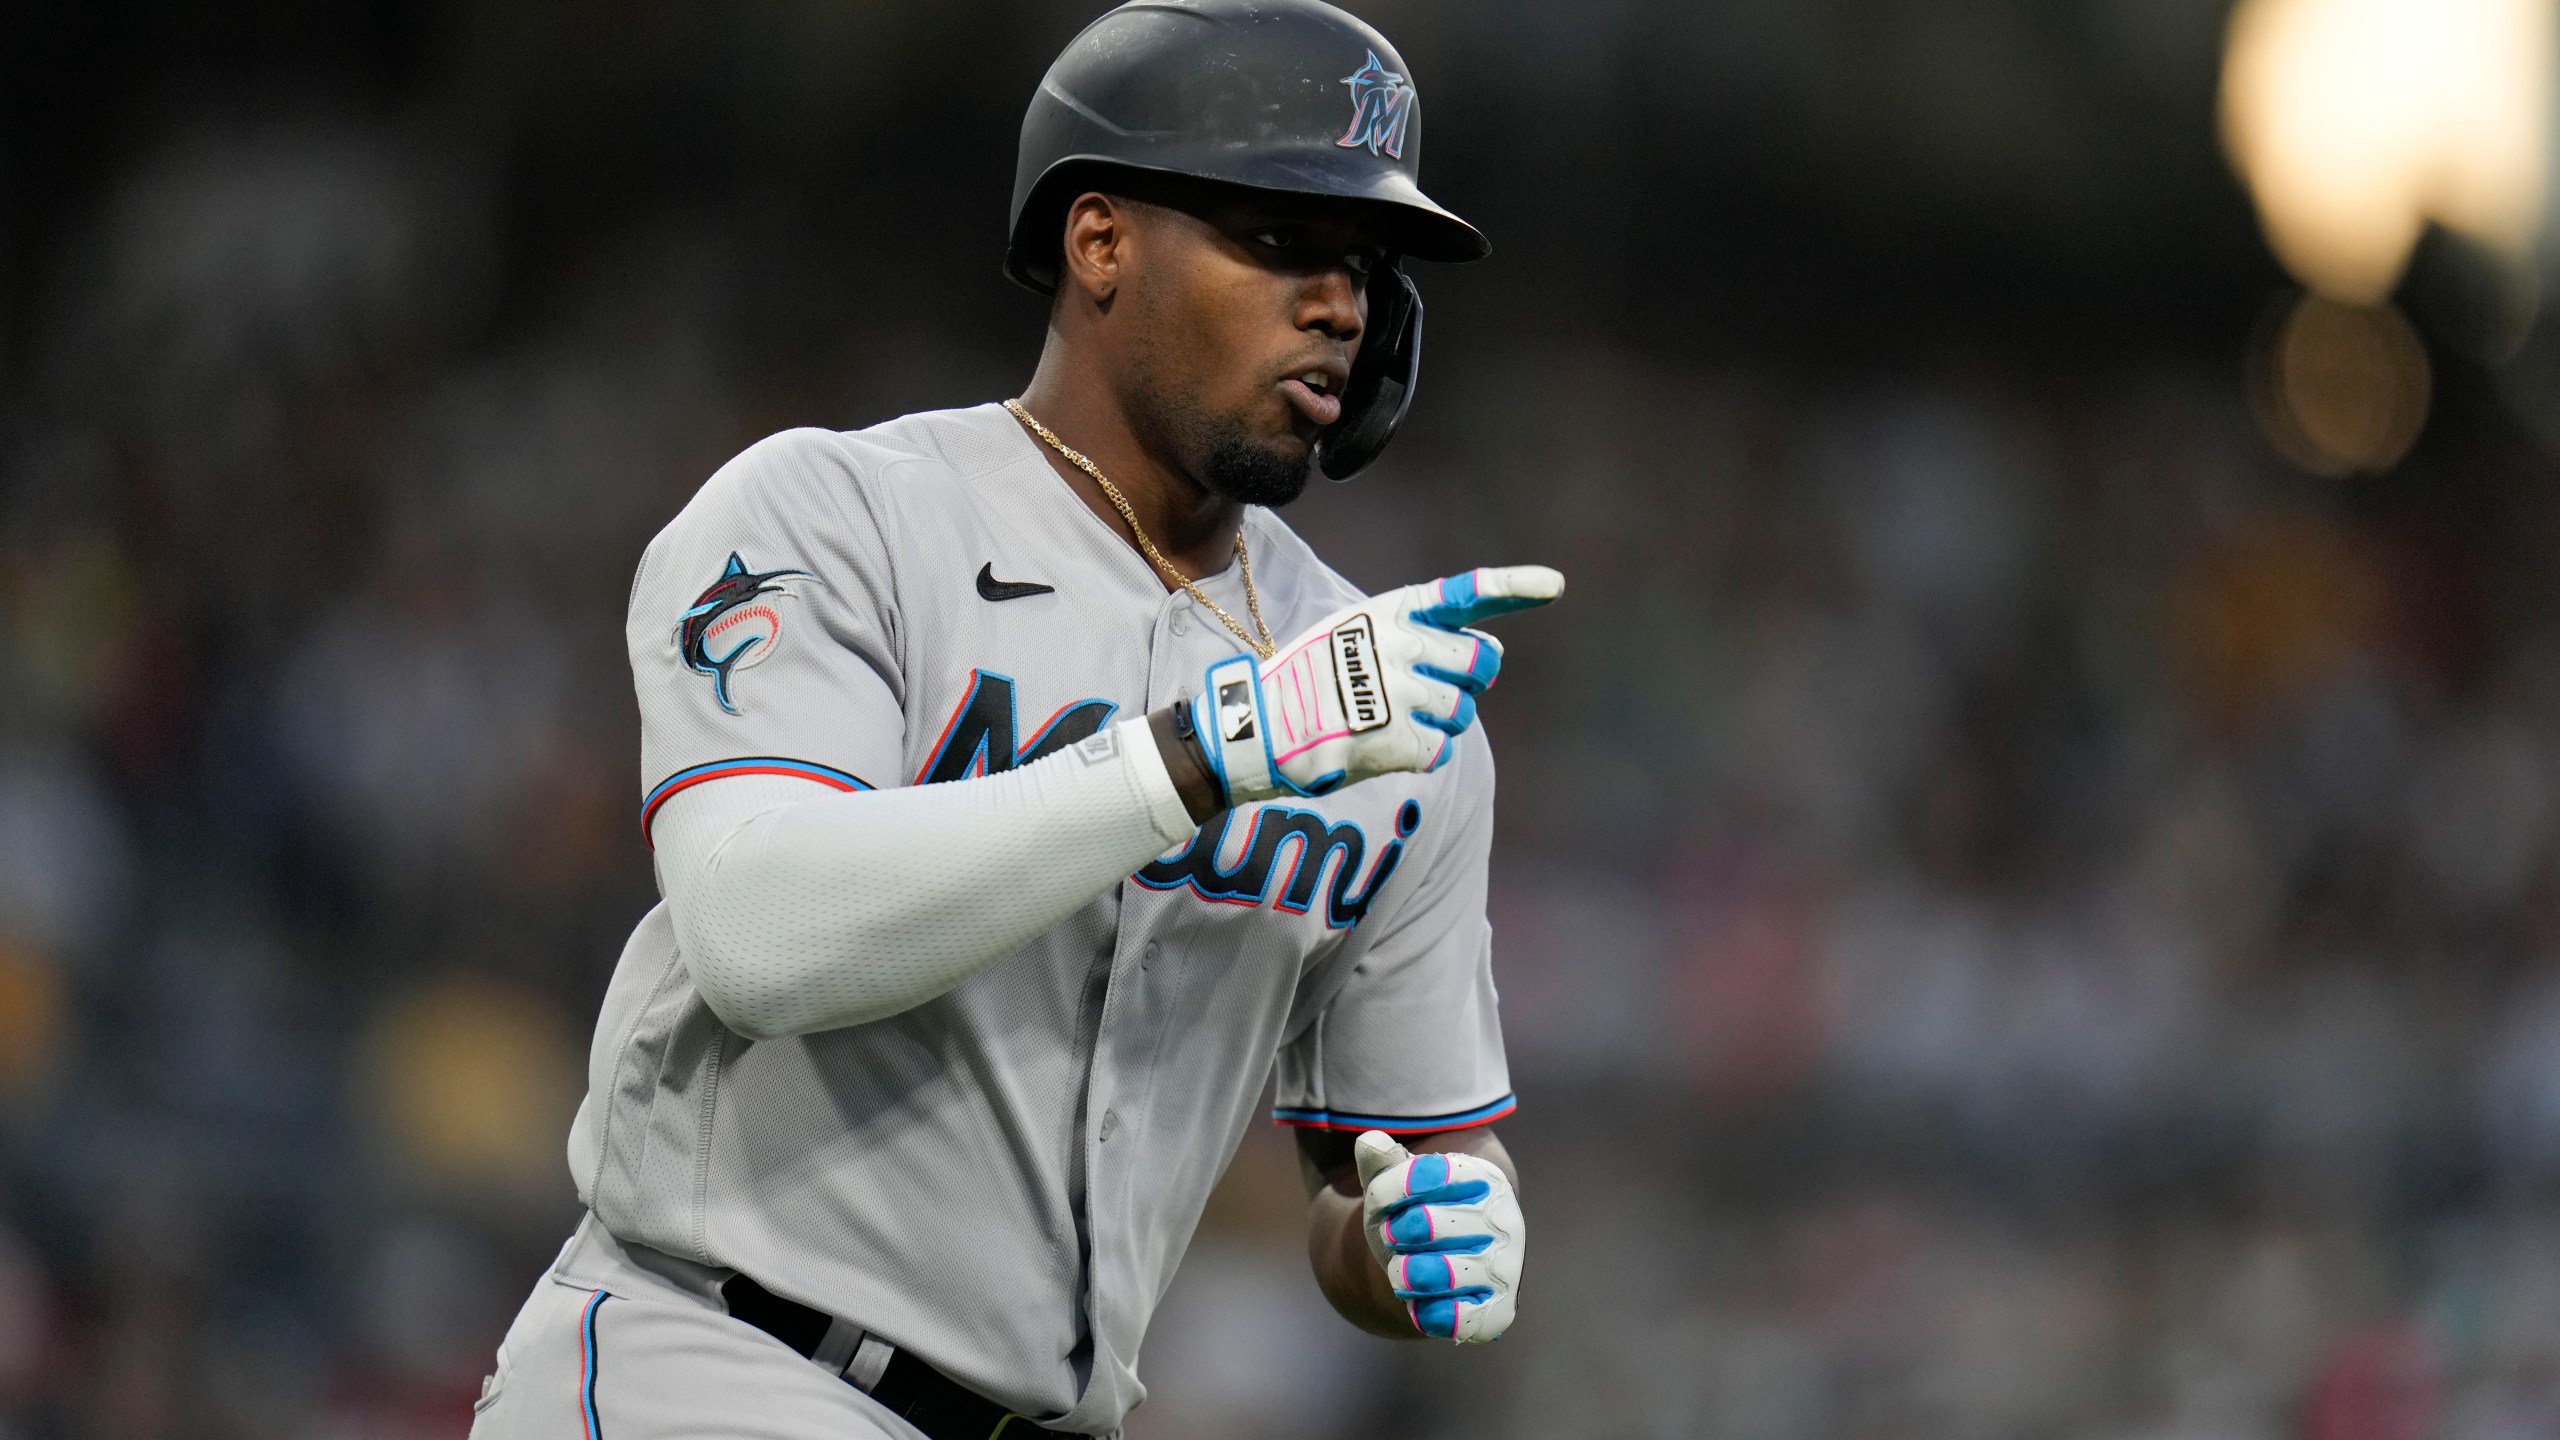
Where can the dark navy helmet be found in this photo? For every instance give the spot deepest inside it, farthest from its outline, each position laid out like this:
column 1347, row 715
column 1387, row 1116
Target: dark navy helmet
column 1292, row 96
column 1287, row 95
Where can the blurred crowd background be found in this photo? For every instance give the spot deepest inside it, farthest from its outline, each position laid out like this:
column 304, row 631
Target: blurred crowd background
column 2028, row 884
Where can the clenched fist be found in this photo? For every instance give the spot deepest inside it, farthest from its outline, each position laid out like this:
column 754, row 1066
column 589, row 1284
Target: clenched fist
column 1448, row 1230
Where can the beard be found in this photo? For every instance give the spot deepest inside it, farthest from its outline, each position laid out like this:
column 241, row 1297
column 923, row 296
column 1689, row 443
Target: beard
column 1251, row 474
column 1218, row 451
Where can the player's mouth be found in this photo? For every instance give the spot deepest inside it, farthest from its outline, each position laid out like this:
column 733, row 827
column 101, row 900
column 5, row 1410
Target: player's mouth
column 1317, row 392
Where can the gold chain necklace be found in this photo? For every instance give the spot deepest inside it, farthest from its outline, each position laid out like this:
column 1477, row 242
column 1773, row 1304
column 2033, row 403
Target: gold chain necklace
column 1244, row 562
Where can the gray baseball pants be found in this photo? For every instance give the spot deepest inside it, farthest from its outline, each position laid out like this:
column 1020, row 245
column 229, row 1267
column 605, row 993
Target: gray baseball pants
column 608, row 1350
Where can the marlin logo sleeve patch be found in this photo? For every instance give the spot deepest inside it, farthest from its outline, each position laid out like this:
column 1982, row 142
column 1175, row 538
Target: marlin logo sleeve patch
column 734, row 625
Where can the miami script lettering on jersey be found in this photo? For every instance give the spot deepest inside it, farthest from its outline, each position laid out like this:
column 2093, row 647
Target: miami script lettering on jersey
column 1312, row 843
column 982, row 737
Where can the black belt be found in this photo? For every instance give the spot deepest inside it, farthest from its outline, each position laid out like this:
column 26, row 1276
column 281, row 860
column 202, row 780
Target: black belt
column 915, row 1392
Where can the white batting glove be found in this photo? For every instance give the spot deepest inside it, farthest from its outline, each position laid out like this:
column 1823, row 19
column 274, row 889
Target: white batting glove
column 1448, row 1230
column 1382, row 686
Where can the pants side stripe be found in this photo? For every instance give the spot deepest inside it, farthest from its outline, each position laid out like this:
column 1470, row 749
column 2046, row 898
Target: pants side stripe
column 587, row 1367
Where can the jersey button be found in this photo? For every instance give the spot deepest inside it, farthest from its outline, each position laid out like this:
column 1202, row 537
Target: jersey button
column 1150, row 955
column 1110, row 1122
column 1181, row 622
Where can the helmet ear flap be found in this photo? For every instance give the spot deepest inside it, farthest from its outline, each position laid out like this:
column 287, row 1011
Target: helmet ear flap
column 1382, row 378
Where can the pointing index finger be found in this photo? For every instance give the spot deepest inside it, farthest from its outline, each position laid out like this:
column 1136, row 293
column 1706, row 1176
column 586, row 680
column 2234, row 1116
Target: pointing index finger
column 1488, row 591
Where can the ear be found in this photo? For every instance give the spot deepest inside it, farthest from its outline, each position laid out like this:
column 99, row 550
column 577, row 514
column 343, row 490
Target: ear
column 1097, row 234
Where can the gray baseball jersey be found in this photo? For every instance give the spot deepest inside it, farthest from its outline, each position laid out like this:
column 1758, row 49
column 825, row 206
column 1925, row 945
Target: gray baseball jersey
column 1002, row 1180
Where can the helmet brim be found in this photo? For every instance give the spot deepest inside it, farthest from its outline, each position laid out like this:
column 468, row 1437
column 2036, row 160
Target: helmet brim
column 1422, row 228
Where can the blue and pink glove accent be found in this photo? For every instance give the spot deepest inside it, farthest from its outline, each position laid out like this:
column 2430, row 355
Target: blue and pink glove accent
column 1447, row 1228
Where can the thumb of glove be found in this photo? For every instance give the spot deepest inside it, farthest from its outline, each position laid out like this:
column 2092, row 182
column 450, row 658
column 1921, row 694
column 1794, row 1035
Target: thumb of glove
column 1375, row 1153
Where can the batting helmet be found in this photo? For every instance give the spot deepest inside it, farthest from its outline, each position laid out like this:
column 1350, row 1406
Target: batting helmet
column 1292, row 96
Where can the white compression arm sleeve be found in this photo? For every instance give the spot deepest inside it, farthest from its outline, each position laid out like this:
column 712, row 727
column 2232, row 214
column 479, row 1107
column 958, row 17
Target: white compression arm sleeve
column 800, row 909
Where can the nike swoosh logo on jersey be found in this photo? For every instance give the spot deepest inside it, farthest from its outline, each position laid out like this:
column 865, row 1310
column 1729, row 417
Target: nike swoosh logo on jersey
column 991, row 588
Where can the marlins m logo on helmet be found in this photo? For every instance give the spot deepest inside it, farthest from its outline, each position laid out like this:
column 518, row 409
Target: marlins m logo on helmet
column 1381, row 103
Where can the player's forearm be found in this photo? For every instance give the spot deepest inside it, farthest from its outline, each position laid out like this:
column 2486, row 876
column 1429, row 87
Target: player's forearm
column 1350, row 1277
column 800, row 912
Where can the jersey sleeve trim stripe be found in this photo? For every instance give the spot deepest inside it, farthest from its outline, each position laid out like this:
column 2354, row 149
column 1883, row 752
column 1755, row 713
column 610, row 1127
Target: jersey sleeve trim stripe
column 684, row 780
column 1394, row 1124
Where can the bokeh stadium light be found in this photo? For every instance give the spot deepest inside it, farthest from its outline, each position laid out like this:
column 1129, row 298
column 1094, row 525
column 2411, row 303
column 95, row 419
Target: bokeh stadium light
column 2356, row 123
column 2340, row 389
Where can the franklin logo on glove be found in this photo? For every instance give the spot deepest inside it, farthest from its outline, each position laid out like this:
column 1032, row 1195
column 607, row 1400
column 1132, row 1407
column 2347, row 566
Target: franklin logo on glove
column 1352, row 647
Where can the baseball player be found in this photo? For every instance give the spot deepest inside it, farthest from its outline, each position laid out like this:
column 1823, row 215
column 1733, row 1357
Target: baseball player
column 1021, row 788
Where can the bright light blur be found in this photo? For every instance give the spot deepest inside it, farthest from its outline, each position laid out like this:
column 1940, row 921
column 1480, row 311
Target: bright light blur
column 2357, row 122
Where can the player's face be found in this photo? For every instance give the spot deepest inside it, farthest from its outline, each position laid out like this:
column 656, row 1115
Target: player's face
column 1253, row 310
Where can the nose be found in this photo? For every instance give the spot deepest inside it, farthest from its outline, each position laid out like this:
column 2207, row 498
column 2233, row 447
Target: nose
column 1333, row 304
